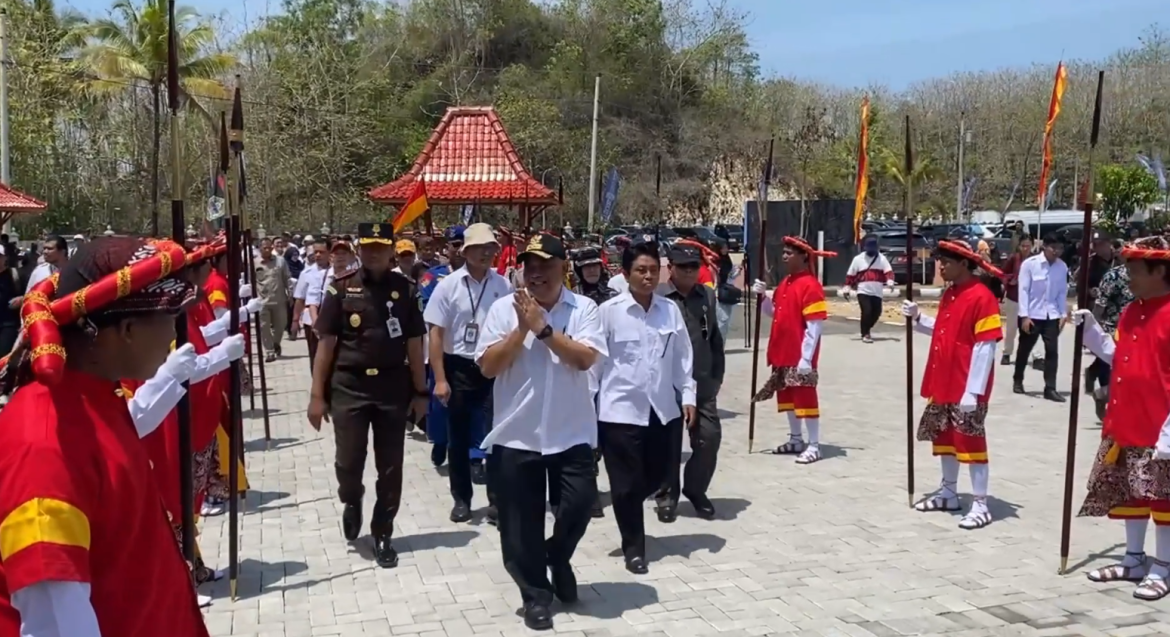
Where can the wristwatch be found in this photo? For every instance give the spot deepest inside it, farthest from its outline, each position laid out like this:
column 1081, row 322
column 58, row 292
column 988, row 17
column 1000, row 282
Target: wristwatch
column 545, row 333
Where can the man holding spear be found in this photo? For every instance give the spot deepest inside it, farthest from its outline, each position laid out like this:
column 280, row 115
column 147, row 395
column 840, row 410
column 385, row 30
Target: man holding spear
column 958, row 378
column 1130, row 479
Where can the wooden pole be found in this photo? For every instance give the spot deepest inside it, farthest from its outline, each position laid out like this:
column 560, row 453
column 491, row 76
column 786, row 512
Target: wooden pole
column 1079, row 340
column 235, row 409
column 908, row 166
column 761, row 264
column 178, row 233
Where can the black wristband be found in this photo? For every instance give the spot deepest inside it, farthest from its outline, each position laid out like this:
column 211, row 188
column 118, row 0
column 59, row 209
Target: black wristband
column 544, row 333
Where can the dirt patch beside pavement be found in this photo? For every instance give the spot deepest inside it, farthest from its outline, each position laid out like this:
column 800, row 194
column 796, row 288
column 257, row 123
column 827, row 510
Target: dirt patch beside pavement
column 891, row 309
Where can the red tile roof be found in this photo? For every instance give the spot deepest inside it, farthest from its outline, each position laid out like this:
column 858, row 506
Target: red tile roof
column 468, row 159
column 16, row 201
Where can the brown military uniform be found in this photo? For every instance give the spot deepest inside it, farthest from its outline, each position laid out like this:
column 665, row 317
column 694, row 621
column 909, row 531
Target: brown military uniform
column 370, row 385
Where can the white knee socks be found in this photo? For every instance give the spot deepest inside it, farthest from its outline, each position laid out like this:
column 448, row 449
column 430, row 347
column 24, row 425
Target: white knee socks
column 950, row 477
column 794, row 432
column 1161, row 552
column 979, row 477
column 814, row 431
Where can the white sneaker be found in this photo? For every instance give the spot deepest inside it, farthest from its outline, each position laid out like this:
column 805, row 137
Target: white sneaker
column 204, row 600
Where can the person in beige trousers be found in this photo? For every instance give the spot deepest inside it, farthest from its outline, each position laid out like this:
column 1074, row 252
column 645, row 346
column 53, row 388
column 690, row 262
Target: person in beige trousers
column 272, row 282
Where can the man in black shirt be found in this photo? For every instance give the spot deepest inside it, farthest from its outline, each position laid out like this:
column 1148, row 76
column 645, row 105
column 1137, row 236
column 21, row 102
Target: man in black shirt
column 1103, row 260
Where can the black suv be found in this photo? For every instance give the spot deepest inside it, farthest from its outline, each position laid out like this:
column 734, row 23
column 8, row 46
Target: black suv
column 732, row 234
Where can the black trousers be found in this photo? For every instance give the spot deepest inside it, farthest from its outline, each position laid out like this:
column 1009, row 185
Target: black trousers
column 637, row 460
column 521, row 478
column 311, row 339
column 871, row 311
column 470, row 392
column 705, row 438
column 1099, row 371
column 360, row 404
column 1049, row 331
column 8, row 336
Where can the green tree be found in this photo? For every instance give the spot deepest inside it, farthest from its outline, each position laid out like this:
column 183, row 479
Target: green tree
column 1125, row 189
column 129, row 51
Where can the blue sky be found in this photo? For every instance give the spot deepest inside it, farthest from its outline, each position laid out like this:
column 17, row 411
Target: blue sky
column 892, row 42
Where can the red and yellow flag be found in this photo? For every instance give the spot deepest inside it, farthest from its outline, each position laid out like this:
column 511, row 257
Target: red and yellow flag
column 415, row 207
column 1058, row 86
column 862, row 172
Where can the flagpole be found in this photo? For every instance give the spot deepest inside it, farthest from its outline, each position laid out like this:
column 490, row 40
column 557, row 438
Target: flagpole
column 237, row 147
column 235, row 407
column 178, row 225
column 1074, row 398
column 763, row 268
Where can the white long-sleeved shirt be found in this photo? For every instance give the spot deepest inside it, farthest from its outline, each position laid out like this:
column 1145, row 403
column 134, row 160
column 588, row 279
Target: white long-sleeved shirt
column 650, row 359
column 869, row 275
column 539, row 403
column 1043, row 288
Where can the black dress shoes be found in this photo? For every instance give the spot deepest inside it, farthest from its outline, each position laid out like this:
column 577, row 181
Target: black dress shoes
column 1051, row 394
column 384, row 553
column 351, row 521
column 461, row 512
column 667, row 514
column 1018, row 388
column 703, row 507
column 637, row 565
column 537, row 616
column 492, row 515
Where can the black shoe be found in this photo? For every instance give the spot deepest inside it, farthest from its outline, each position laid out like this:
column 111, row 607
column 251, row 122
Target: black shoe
column 461, row 512
column 537, row 616
column 1006, row 360
column 1100, row 406
column 492, row 515
column 637, row 565
column 598, row 510
column 703, row 507
column 564, row 583
column 1050, row 394
column 384, row 552
column 438, row 455
column 351, row 521
column 1018, row 388
column 667, row 514
column 478, row 474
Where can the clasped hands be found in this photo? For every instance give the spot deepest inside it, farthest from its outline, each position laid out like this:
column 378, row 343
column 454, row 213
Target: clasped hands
column 529, row 314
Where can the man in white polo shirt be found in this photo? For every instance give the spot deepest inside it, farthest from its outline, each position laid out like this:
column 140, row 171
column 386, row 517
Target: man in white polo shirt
column 539, row 345
column 455, row 315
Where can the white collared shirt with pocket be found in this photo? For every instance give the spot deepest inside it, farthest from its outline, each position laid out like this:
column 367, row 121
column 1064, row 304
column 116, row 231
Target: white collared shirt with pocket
column 539, row 403
column 451, row 304
column 650, row 361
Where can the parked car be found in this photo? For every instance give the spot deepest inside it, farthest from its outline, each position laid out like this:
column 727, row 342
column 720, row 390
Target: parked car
column 702, row 234
column 893, row 244
column 732, row 234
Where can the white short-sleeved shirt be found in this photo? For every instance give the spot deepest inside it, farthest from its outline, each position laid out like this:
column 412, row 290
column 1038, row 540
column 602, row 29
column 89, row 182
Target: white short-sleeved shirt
column 650, row 359
column 311, row 289
column 539, row 403
column 618, row 283
column 451, row 303
column 43, row 271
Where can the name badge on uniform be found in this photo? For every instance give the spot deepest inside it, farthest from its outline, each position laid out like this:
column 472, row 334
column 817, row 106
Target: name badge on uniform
column 471, row 334
column 392, row 324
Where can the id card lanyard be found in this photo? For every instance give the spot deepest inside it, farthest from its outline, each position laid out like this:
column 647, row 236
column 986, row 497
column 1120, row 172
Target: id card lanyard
column 471, row 332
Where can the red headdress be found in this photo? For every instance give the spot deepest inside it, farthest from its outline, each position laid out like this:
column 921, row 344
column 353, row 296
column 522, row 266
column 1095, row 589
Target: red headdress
column 803, row 246
column 1148, row 249
column 108, row 277
column 962, row 250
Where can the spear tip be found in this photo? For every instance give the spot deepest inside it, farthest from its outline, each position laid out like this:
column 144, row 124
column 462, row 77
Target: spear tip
column 1063, row 565
column 233, row 585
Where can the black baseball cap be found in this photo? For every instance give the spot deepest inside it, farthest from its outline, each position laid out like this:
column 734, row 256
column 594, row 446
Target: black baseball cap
column 1102, row 235
column 544, row 246
column 587, row 256
column 685, row 255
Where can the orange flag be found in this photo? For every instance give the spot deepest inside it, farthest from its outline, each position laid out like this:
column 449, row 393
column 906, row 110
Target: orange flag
column 416, row 206
column 862, row 172
column 1058, row 86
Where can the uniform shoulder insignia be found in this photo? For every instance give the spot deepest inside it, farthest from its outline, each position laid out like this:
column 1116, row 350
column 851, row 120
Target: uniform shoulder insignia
column 331, row 290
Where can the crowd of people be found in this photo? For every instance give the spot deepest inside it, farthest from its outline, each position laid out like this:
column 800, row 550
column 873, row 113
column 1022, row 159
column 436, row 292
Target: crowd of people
column 531, row 363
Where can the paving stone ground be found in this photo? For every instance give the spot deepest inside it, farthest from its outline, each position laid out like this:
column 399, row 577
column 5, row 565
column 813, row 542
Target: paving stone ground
column 828, row 549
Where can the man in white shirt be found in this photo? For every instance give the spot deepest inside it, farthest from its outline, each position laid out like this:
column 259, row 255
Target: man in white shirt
column 649, row 363
column 54, row 255
column 455, row 315
column 539, row 345
column 1043, row 311
column 869, row 275
column 308, row 294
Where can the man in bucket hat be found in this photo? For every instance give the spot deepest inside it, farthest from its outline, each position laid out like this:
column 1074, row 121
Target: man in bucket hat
column 958, row 378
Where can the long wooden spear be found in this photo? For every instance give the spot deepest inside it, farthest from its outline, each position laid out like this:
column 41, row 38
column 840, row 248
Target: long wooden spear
column 1074, row 401
column 235, row 408
column 178, row 226
column 762, row 270
column 237, row 146
column 908, row 167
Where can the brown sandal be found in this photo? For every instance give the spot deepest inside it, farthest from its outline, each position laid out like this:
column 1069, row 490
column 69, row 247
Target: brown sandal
column 1120, row 572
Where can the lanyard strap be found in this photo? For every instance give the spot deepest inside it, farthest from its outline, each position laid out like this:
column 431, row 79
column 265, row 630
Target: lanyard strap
column 475, row 303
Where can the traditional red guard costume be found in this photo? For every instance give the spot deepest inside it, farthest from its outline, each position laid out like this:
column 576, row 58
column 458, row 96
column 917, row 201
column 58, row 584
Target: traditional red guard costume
column 85, row 548
column 798, row 310
column 216, row 293
column 1130, row 479
column 957, row 381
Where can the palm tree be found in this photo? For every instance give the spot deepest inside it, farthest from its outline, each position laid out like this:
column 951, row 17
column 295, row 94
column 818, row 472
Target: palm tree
column 129, row 51
column 893, row 167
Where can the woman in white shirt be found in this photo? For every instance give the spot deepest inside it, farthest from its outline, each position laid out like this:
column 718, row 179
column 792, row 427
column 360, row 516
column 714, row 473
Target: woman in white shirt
column 650, row 359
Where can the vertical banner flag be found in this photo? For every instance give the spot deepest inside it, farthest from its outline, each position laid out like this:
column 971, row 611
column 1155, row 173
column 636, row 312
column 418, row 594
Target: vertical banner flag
column 862, row 172
column 969, row 192
column 609, row 193
column 466, row 213
column 1160, row 171
column 216, row 191
column 415, row 207
column 1058, row 86
column 1050, row 192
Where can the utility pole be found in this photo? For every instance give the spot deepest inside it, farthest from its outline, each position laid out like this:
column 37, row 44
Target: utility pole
column 1076, row 182
column 593, row 153
column 959, row 186
column 5, row 170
